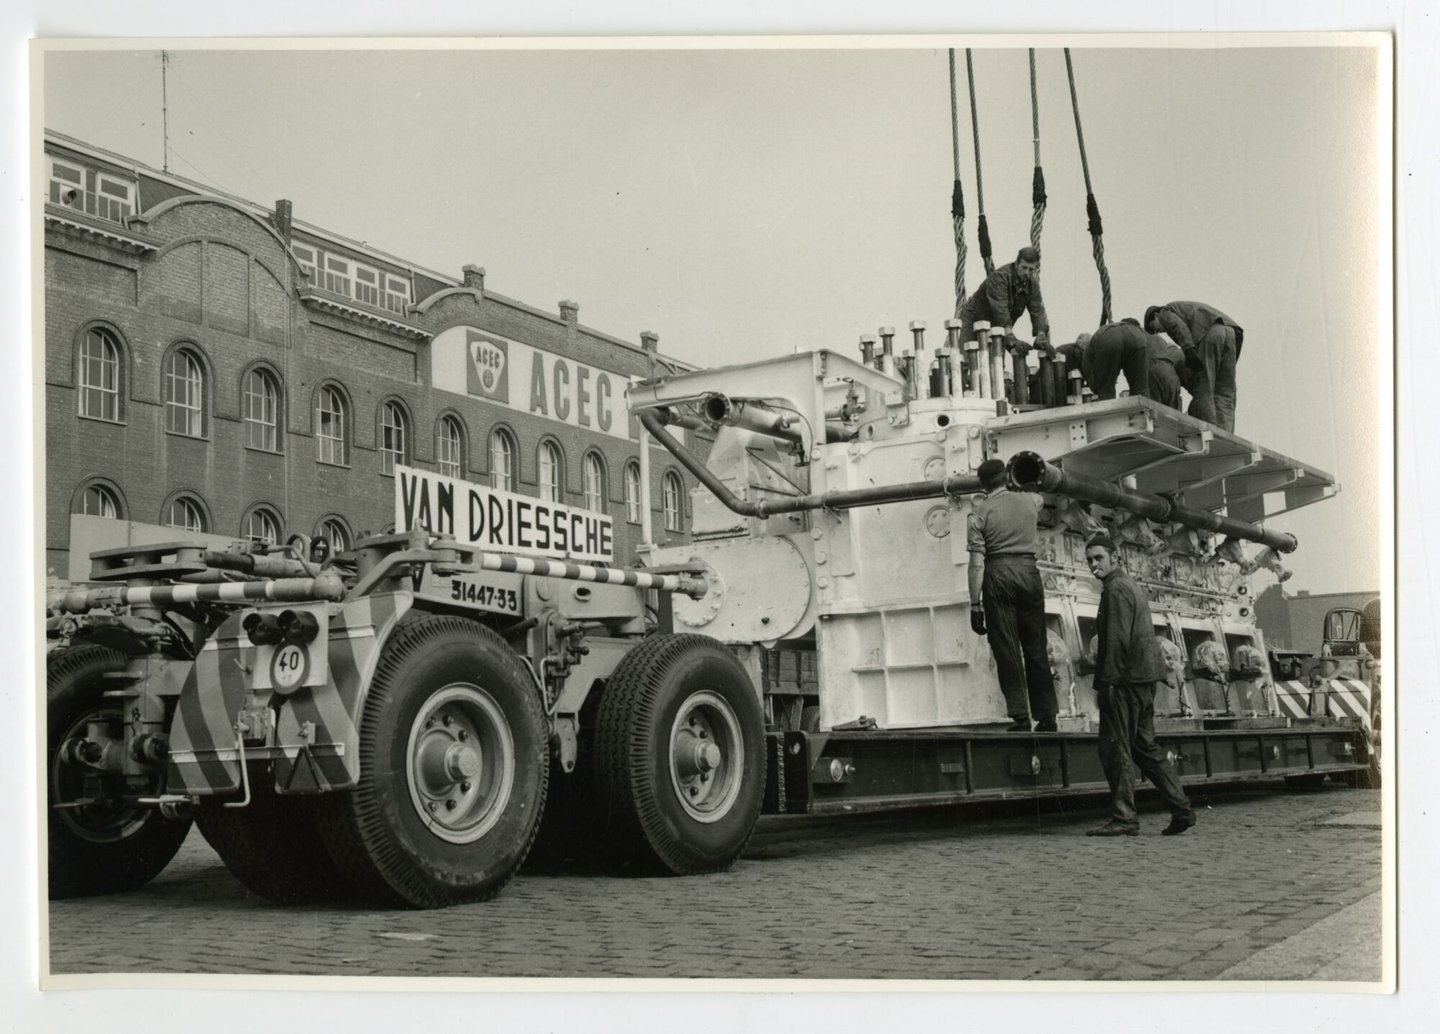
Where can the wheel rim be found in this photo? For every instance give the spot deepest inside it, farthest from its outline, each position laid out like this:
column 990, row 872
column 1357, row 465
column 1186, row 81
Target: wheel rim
column 461, row 763
column 707, row 756
column 107, row 821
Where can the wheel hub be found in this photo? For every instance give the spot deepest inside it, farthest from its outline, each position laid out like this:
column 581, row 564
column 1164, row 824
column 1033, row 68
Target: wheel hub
column 706, row 756
column 462, row 762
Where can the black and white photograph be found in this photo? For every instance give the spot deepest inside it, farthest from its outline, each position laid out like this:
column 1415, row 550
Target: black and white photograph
column 716, row 513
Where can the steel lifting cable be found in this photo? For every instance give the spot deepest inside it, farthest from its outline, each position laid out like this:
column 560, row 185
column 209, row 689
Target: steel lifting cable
column 982, row 230
column 1037, row 184
column 1092, row 210
column 957, row 195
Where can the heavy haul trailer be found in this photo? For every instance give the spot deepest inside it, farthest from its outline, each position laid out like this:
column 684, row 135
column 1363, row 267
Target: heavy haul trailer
column 831, row 531
column 392, row 725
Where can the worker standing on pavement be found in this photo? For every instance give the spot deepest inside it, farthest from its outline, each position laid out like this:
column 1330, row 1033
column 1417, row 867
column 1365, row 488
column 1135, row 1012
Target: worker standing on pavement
column 1128, row 664
column 1211, row 342
column 1005, row 295
column 1008, row 599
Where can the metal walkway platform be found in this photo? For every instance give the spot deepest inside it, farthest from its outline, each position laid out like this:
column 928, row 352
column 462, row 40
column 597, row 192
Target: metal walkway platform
column 1167, row 452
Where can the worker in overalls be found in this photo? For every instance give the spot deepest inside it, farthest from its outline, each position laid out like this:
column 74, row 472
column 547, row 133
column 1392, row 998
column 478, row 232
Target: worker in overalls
column 1007, row 598
column 1128, row 664
column 1006, row 295
column 1151, row 363
column 1211, row 342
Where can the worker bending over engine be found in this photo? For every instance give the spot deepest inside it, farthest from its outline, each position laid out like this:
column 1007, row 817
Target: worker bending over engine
column 1210, row 341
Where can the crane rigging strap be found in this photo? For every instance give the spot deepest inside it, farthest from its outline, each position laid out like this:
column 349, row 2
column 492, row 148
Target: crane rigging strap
column 957, row 195
column 1037, row 185
column 982, row 230
column 1092, row 210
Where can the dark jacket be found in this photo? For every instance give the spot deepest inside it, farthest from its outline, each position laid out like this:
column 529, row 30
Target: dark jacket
column 1188, row 322
column 1126, row 650
column 1003, row 297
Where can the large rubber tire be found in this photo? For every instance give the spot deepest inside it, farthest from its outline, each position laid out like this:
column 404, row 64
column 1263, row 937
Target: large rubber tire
column 454, row 760
column 680, row 756
column 1369, row 778
column 273, row 845
column 100, row 848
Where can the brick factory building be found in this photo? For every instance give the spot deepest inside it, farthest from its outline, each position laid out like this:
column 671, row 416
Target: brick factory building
column 223, row 368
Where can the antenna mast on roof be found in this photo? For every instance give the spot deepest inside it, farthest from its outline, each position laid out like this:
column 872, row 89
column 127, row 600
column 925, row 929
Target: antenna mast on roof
column 165, row 106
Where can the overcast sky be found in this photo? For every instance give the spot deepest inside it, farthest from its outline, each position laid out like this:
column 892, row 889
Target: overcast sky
column 748, row 203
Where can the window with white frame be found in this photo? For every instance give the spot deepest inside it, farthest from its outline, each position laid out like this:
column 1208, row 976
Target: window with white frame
column 594, row 475
column 397, row 293
column 337, row 275
column 99, row 501
column 330, row 426
column 393, row 437
column 112, row 198
column 632, row 492
column 450, row 447
column 502, row 460
column 262, row 525
column 367, row 285
column 261, row 406
column 671, row 490
column 67, row 185
column 308, row 258
column 185, row 513
column 550, row 471
column 99, row 380
column 335, row 532
column 184, row 394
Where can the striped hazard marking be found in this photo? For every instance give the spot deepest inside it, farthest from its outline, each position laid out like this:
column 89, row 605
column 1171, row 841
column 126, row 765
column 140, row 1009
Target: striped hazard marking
column 1293, row 698
column 1348, row 698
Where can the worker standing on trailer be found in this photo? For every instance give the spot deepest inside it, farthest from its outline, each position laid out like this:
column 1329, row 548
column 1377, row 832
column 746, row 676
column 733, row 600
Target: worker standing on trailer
column 1005, row 295
column 1128, row 664
column 1007, row 597
column 1211, row 342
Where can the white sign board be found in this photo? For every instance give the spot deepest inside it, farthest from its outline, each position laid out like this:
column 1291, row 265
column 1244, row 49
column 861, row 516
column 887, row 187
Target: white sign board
column 502, row 522
column 478, row 364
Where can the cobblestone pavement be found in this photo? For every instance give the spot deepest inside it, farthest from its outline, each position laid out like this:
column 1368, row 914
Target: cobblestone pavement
column 1015, row 892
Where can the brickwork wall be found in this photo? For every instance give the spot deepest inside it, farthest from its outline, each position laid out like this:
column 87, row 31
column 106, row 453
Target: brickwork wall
column 222, row 284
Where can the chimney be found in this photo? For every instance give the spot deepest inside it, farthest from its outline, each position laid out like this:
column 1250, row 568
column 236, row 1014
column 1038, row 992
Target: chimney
column 570, row 312
column 474, row 277
column 283, row 219
column 650, row 341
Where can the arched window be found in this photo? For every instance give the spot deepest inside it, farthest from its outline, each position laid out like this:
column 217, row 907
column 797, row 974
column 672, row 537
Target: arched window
column 671, row 490
column 100, row 376
column 450, row 447
column 394, row 437
column 632, row 492
column 185, row 513
column 336, row 532
column 594, row 474
column 262, row 524
column 330, row 426
column 99, row 501
column 261, row 406
column 184, row 393
column 550, row 471
column 502, row 460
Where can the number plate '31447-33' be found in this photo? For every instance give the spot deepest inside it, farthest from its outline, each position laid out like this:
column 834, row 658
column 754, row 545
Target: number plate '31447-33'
column 486, row 597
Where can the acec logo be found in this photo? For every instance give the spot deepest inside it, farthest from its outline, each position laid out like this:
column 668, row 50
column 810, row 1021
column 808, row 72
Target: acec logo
column 485, row 374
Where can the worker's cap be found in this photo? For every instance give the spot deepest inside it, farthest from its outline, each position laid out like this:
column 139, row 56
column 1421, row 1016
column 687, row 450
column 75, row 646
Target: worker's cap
column 1027, row 255
column 1131, row 320
column 991, row 471
column 1150, row 316
column 1102, row 540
